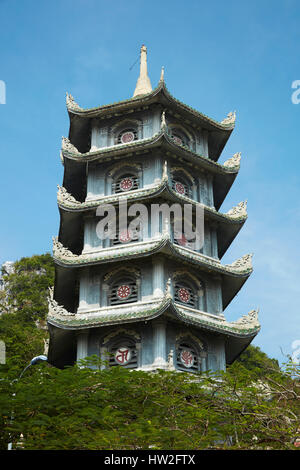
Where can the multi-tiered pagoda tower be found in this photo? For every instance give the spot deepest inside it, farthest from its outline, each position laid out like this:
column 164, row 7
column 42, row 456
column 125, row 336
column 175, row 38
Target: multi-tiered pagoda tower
column 148, row 298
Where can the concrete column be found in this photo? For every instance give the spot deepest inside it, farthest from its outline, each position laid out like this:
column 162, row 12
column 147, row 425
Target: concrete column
column 82, row 344
column 83, row 290
column 158, row 277
column 159, row 343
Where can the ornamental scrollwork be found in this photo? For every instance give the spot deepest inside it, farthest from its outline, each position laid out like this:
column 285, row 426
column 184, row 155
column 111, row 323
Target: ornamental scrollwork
column 67, row 146
column 71, row 103
column 56, row 310
column 64, row 197
column 242, row 264
column 230, row 119
column 251, row 319
column 238, row 211
column 234, row 161
column 60, row 251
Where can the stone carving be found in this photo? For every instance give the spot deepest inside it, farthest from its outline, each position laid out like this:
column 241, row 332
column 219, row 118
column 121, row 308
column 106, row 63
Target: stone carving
column 60, row 251
column 184, row 273
column 64, row 197
column 68, row 147
column 168, row 292
column 183, row 170
column 163, row 124
column 56, row 310
column 238, row 211
column 251, row 319
column 242, row 264
column 117, row 167
column 165, row 171
column 233, row 161
column 230, row 119
column 71, row 103
column 171, row 360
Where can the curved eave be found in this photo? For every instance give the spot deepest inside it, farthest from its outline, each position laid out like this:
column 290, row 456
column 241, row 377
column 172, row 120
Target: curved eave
column 224, row 176
column 233, row 277
column 80, row 119
column 106, row 153
column 159, row 95
column 228, row 226
column 236, row 336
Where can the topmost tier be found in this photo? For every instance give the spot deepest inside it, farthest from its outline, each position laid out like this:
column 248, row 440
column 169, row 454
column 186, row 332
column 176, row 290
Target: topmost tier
column 143, row 98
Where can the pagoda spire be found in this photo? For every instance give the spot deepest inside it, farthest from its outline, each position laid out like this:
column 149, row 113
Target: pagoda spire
column 143, row 84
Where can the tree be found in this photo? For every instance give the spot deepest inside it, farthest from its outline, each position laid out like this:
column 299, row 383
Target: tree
column 85, row 408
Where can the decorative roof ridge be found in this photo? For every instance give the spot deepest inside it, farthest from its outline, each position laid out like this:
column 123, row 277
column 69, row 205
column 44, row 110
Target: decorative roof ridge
column 247, row 325
column 230, row 166
column 63, row 256
column 67, row 201
column 226, row 124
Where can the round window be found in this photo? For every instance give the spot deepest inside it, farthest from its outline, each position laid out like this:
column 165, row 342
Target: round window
column 123, row 291
column 187, row 358
column 126, row 184
column 184, row 294
column 127, row 137
column 123, row 355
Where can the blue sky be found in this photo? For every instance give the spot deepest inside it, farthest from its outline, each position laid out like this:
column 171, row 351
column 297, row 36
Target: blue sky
column 218, row 57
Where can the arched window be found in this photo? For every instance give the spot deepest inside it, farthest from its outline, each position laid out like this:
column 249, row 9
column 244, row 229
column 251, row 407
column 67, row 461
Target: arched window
column 126, row 182
column 123, row 290
column 181, row 184
column 126, row 136
column 178, row 136
column 123, row 352
column 188, row 356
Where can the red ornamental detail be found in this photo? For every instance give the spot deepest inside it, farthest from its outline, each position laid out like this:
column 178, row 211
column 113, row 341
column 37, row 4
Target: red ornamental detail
column 187, row 358
column 123, row 355
column 127, row 137
column 125, row 236
column 126, row 184
column 184, row 294
column 179, row 188
column 182, row 240
column 177, row 140
column 123, row 292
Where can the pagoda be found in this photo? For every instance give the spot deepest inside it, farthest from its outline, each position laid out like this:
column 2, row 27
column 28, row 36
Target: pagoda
column 147, row 298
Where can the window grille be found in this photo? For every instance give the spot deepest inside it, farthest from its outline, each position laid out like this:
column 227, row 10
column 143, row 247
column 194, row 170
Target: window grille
column 127, row 236
column 185, row 295
column 187, row 358
column 127, row 182
column 180, row 186
column 127, row 136
column 123, row 353
column 123, row 292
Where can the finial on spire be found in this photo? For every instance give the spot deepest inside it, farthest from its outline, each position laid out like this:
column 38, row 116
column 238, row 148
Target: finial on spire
column 143, row 84
column 162, row 74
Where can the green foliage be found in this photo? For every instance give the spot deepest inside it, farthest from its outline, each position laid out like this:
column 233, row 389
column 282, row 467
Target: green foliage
column 254, row 405
column 27, row 287
column 24, row 301
column 88, row 408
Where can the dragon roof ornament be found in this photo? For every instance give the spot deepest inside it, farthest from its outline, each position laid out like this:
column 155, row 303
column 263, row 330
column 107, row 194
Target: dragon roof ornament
column 59, row 251
column 238, row 211
column 230, row 119
column 68, row 147
column 234, row 161
column 56, row 310
column 250, row 319
column 242, row 264
column 64, row 197
column 71, row 103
